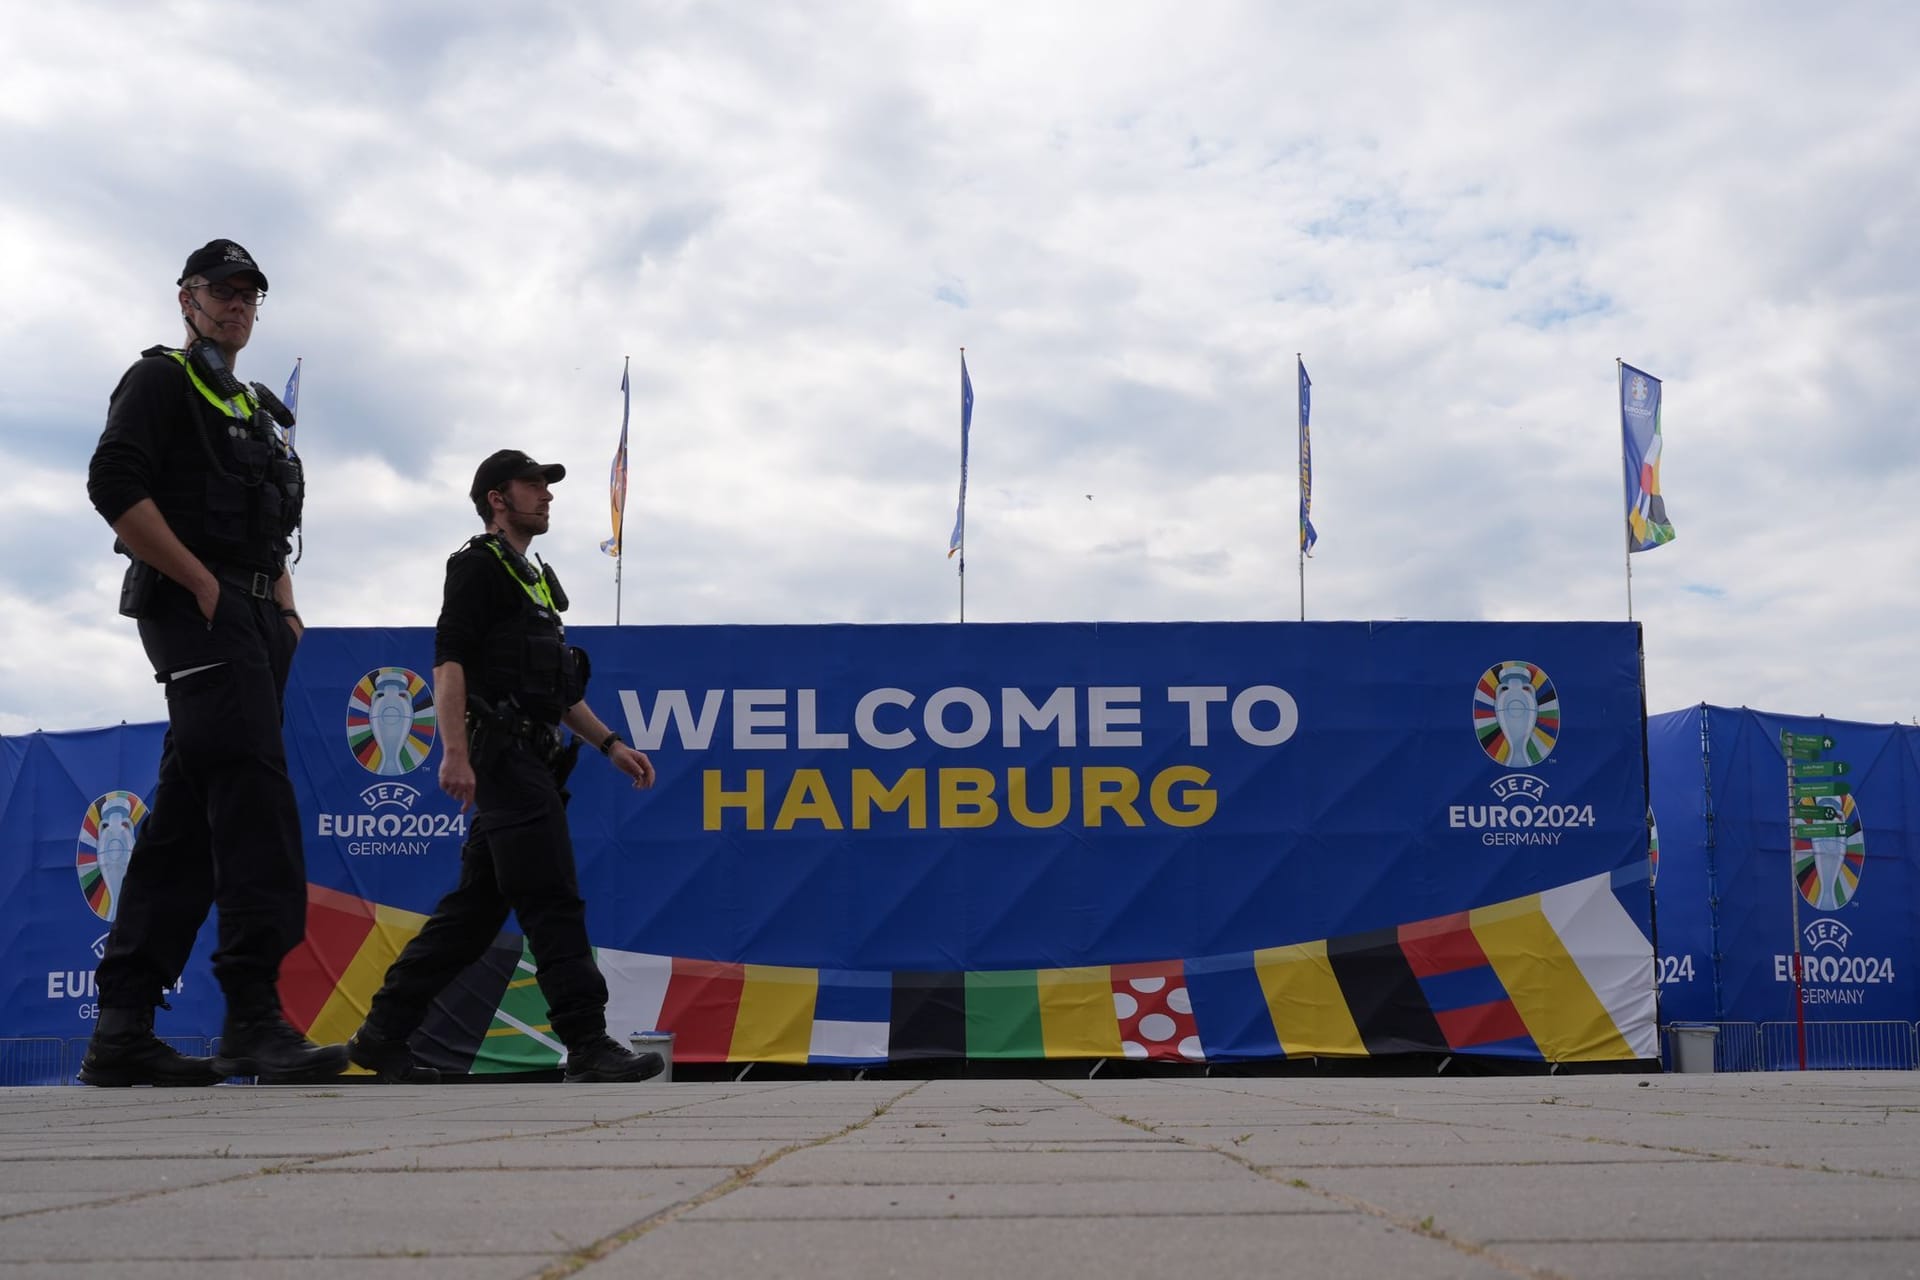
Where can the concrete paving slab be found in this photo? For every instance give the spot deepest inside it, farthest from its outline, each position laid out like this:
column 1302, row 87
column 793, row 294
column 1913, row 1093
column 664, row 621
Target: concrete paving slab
column 618, row 1151
column 14, row 1202
column 1719, row 1259
column 360, row 1267
column 680, row 1128
column 267, row 1147
column 1646, row 1201
column 1415, row 1179
column 122, row 1174
column 305, row 1214
column 1398, row 1149
column 1326, row 1247
column 1097, row 1146
column 835, row 1163
column 811, row 1202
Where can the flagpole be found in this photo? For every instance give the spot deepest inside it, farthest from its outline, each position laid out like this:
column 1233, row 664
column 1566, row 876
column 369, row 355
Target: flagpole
column 620, row 557
column 1300, row 485
column 1619, row 399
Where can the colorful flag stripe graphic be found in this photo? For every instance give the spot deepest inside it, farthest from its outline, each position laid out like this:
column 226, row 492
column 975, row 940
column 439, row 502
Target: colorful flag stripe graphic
column 1563, row 976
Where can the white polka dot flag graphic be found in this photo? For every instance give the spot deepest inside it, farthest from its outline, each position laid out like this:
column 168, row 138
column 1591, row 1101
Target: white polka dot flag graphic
column 1155, row 1012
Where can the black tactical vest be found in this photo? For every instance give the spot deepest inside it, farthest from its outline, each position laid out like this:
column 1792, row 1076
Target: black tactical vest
column 528, row 656
column 255, row 486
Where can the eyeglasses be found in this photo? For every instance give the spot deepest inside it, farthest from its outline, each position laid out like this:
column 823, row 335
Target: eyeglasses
column 222, row 292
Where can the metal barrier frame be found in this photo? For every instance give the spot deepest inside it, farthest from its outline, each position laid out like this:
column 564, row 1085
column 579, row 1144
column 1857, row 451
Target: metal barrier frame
column 1831, row 1046
column 1842, row 1046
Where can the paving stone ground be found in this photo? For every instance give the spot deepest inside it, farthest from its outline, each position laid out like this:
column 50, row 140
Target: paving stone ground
column 1588, row 1177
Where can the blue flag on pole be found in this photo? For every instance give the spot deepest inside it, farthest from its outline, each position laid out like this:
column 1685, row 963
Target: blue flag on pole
column 617, row 475
column 1307, row 536
column 959, row 538
column 291, row 398
column 1647, row 523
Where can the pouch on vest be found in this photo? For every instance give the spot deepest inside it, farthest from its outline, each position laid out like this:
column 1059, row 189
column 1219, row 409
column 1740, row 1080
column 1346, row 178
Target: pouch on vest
column 136, row 589
column 578, row 670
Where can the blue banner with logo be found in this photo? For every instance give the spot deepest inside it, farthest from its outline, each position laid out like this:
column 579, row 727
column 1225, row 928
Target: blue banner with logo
column 72, row 805
column 1198, row 842
column 1780, row 833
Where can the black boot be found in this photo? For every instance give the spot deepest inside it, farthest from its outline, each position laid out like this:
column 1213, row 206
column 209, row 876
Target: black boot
column 600, row 1061
column 124, row 1051
column 388, row 1057
column 258, row 1041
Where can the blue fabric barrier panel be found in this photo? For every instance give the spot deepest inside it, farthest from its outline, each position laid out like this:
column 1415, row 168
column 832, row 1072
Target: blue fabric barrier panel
column 876, row 842
column 1752, row 864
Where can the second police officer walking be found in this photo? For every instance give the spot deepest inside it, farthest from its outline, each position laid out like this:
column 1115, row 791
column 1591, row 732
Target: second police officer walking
column 500, row 653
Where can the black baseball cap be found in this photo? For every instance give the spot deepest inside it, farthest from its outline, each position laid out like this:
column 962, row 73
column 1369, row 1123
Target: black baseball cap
column 507, row 465
column 218, row 260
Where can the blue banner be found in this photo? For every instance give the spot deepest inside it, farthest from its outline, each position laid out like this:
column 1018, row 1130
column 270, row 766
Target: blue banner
column 883, row 842
column 72, row 807
column 1754, row 864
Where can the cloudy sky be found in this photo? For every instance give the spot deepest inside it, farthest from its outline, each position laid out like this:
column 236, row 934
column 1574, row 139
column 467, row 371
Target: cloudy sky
column 1131, row 216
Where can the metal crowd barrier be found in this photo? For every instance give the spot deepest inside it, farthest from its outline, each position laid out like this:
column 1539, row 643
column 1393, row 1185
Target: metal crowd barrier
column 31, row 1060
column 1831, row 1046
column 45, row 1060
column 1842, row 1046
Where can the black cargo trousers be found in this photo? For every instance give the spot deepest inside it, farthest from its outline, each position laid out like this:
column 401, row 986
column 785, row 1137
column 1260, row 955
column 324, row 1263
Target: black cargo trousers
column 223, row 827
column 518, row 858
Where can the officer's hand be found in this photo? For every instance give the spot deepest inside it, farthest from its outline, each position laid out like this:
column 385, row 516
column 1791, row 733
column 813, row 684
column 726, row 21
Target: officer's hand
column 208, row 598
column 634, row 764
column 456, row 779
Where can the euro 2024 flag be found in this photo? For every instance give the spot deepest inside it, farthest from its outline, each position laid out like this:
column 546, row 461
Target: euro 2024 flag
column 1647, row 523
column 1307, row 536
column 617, row 475
column 958, row 539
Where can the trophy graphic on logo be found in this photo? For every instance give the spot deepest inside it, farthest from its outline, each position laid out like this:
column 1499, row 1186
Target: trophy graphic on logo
column 1516, row 710
column 1516, row 714
column 116, row 845
column 390, row 721
column 391, row 715
column 1828, row 853
column 106, row 847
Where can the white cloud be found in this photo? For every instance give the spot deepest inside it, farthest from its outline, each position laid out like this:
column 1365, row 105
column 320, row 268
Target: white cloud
column 1131, row 218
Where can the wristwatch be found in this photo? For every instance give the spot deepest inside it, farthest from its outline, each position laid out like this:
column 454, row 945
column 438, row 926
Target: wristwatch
column 606, row 745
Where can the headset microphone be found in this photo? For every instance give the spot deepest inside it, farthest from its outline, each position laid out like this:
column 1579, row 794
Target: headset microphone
column 191, row 323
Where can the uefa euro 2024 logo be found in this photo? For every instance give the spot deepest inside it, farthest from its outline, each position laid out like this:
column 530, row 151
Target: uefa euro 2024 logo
column 1516, row 714
column 105, row 847
column 1639, row 395
column 390, row 721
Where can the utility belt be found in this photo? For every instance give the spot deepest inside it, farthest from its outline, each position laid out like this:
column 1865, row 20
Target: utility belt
column 141, row 580
column 492, row 730
column 252, row 582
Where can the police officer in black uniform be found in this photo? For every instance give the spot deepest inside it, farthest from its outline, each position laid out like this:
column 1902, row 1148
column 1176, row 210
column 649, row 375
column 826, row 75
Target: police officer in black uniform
column 195, row 474
column 500, row 652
